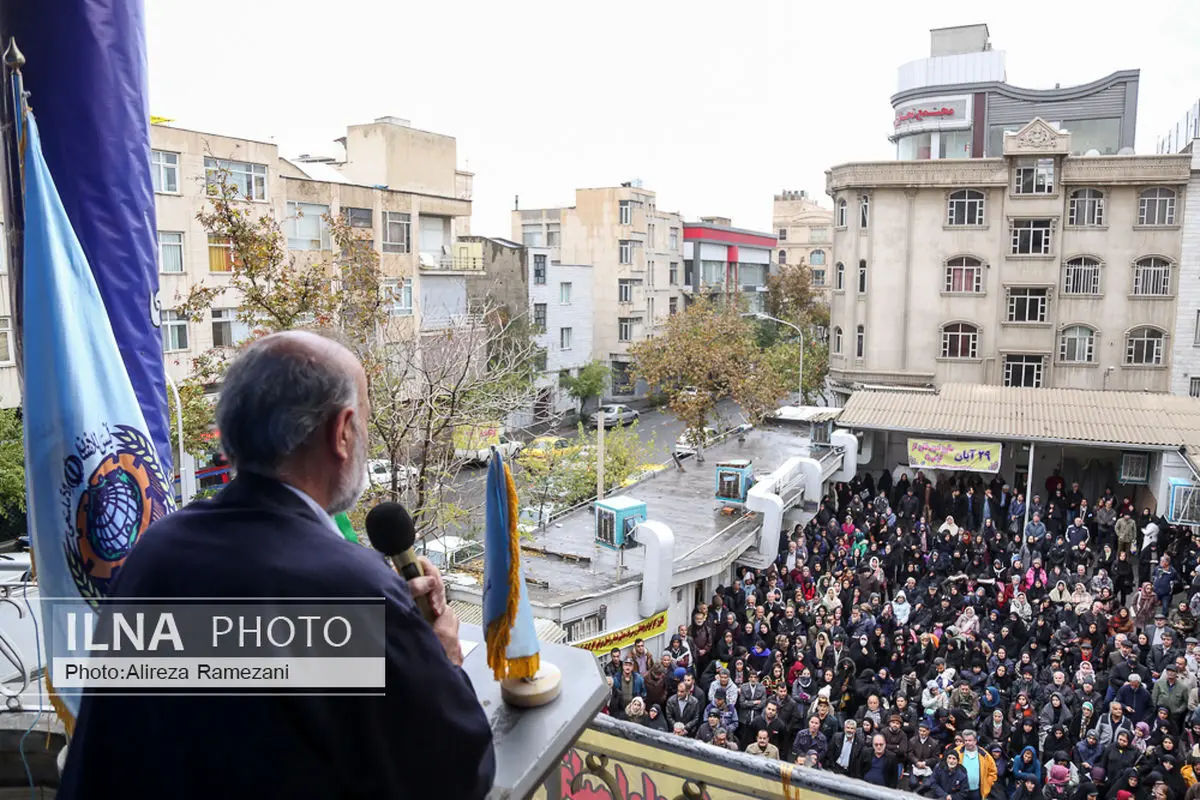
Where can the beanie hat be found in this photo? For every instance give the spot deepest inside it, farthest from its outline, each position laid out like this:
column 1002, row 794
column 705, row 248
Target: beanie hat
column 679, row 673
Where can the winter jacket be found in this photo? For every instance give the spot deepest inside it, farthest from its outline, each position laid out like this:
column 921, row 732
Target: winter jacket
column 945, row 782
column 1175, row 698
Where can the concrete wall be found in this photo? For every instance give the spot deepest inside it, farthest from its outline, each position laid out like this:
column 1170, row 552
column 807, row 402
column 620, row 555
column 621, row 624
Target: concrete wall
column 1185, row 351
column 506, row 278
column 402, row 158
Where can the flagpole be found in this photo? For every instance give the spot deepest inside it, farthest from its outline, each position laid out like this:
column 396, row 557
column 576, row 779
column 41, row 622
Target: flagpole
column 12, row 108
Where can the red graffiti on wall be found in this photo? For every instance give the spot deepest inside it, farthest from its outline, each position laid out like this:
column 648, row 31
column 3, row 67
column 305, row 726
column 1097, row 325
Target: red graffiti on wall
column 578, row 783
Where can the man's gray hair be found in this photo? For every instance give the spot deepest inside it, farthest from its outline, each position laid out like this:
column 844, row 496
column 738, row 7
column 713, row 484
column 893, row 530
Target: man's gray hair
column 275, row 395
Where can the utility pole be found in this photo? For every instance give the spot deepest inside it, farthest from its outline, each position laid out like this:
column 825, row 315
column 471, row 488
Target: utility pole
column 600, row 454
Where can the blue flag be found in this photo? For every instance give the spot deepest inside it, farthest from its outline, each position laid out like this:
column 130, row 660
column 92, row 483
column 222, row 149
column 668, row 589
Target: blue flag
column 92, row 473
column 512, row 643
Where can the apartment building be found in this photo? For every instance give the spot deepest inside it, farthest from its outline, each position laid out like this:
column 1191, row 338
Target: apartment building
column 719, row 259
column 1039, row 268
column 805, row 231
column 396, row 183
column 561, row 311
column 1184, row 137
column 635, row 252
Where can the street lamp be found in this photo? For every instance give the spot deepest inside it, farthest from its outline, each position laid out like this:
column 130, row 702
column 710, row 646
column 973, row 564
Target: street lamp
column 799, row 332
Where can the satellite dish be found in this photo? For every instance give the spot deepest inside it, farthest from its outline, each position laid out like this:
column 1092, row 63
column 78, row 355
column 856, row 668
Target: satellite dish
column 1125, row 151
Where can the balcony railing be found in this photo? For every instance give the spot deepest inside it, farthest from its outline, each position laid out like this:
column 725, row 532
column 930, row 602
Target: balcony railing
column 438, row 263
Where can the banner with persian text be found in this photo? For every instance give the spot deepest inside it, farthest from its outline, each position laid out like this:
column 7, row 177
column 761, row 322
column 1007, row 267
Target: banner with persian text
column 946, row 454
column 625, row 637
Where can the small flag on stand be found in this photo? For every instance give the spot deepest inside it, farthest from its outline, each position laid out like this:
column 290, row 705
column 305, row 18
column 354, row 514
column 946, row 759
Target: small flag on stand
column 512, row 643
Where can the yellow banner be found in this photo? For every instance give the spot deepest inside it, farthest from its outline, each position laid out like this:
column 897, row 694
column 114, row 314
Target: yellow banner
column 625, row 637
column 160, row 120
column 945, row 454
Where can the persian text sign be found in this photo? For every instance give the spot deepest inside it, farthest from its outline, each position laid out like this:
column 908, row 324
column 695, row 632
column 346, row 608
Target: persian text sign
column 625, row 637
column 945, row 454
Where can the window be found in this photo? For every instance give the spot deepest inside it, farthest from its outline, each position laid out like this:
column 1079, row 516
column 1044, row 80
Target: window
column 1152, row 277
column 1194, row 387
column 1027, row 305
column 964, row 275
column 1081, row 276
column 651, row 241
column 398, row 297
column 539, row 270
column 841, row 214
column 226, row 330
column 174, row 331
column 1196, row 340
column 862, row 277
column 783, row 256
column 626, row 212
column 531, row 235
column 1103, row 135
column 672, row 306
column 359, row 217
column 564, row 338
column 954, row 144
column 860, row 342
column 306, row 226
column 220, row 254
column 553, row 234
column 624, row 291
column 673, row 273
column 397, row 230
column 818, row 277
column 965, row 207
column 1135, row 468
column 6, row 352
column 564, row 293
column 837, row 340
column 1144, row 346
column 839, row 276
column 625, row 329
column 673, row 243
column 817, row 258
column 170, row 252
column 1086, row 209
column 250, row 180
column 918, row 147
column 1023, row 370
column 1156, row 207
column 960, row 340
column 864, row 212
column 164, row 169
column 782, row 234
column 1077, row 345
column 539, row 359
column 1034, row 176
column 625, row 252
column 1031, row 237
column 539, row 316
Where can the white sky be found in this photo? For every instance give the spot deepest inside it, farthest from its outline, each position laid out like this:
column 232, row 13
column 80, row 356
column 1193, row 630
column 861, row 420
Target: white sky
column 716, row 105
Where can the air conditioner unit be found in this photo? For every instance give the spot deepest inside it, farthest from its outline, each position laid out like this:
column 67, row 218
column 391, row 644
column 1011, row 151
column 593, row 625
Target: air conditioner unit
column 734, row 479
column 616, row 520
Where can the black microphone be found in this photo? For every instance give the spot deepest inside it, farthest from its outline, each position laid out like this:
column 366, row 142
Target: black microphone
column 391, row 531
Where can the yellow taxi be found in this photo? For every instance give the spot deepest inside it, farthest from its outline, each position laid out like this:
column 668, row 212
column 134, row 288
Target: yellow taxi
column 548, row 449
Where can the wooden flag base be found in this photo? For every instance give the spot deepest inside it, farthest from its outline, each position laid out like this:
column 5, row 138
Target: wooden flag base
column 533, row 692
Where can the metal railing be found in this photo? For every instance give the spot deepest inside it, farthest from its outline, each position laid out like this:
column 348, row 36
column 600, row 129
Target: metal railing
column 430, row 263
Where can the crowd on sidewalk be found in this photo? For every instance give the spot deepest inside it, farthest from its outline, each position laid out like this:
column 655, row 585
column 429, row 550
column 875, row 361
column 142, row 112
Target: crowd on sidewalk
column 954, row 638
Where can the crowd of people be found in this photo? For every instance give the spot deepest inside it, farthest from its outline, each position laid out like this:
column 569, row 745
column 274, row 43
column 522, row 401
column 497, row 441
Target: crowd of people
column 953, row 638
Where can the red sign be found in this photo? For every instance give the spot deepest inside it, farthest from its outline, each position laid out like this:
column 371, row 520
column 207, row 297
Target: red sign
column 922, row 113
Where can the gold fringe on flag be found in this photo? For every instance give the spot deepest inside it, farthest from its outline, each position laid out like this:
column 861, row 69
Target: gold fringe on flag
column 64, row 714
column 499, row 632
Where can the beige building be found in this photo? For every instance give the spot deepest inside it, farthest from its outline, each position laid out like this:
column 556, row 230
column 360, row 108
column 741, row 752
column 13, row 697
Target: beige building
column 1038, row 268
column 805, row 231
column 636, row 255
column 414, row 222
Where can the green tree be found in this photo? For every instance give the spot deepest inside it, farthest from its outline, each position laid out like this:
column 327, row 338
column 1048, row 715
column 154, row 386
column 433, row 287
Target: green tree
column 706, row 353
column 12, row 465
column 589, row 383
column 790, row 297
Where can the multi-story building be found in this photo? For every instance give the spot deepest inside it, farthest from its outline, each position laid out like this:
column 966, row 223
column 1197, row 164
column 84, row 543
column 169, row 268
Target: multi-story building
column 719, row 259
column 805, row 231
column 1185, row 346
column 561, row 311
column 957, row 103
column 635, row 253
column 1039, row 268
column 398, row 183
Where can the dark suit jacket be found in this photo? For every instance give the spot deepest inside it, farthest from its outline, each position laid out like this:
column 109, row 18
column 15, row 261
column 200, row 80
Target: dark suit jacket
column 427, row 738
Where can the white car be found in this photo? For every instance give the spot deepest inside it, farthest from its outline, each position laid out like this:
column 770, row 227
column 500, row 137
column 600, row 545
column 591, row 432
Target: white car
column 685, row 445
column 380, row 472
column 614, row 415
column 449, row 552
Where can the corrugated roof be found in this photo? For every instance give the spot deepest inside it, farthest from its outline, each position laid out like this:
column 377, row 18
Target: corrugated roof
column 547, row 630
column 319, row 171
column 807, row 413
column 1007, row 412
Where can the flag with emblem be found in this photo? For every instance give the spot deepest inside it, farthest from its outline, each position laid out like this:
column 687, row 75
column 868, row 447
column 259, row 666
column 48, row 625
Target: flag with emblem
column 94, row 481
column 512, row 643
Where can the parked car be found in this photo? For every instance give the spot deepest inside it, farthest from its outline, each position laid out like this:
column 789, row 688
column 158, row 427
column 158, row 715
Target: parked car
column 548, row 449
column 686, row 444
column 533, row 517
column 449, row 552
column 380, row 472
column 614, row 415
column 474, row 443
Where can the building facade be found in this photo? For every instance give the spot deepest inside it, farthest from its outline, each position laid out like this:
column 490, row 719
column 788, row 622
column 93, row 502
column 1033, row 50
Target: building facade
column 805, row 232
column 957, row 103
column 1036, row 269
column 563, row 330
column 635, row 252
column 413, row 223
column 719, row 259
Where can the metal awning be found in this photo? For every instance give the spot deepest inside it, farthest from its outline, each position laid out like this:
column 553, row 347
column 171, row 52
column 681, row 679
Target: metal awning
column 547, row 630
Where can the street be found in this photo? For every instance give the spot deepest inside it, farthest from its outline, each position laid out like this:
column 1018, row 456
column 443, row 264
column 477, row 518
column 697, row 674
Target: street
column 659, row 424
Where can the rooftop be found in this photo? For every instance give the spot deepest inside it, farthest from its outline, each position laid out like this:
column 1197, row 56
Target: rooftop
column 1117, row 419
column 573, row 567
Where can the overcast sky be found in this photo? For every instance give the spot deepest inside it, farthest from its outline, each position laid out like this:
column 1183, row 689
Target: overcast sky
column 716, row 105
